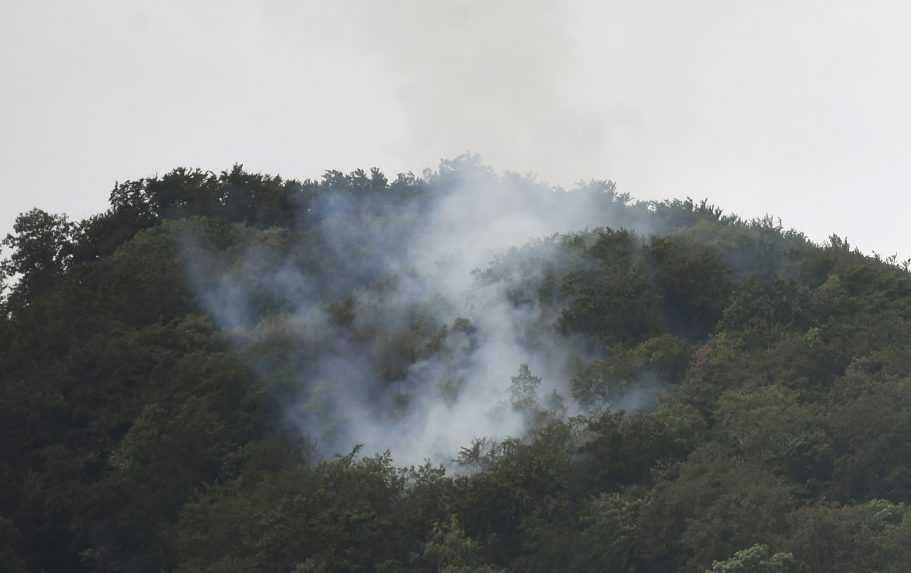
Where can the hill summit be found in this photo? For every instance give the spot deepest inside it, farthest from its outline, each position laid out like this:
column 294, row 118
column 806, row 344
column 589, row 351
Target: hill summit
column 462, row 371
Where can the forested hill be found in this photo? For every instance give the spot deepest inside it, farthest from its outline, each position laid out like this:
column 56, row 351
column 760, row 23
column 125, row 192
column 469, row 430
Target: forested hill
column 461, row 372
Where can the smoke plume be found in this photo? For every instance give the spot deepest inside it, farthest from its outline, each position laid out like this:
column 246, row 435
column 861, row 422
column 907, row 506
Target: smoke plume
column 367, row 279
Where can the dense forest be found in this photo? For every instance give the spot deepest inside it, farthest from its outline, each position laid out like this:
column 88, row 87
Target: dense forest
column 459, row 372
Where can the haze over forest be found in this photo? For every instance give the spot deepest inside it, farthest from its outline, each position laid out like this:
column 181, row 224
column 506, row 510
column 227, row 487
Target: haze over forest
column 462, row 371
column 650, row 312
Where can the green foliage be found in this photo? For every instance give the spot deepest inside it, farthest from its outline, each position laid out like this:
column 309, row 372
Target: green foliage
column 872, row 536
column 611, row 533
column 654, row 362
column 761, row 312
column 623, row 450
column 869, row 424
column 743, row 392
column 713, row 504
column 755, row 559
column 449, row 550
column 609, row 294
column 40, row 248
column 339, row 516
column 770, row 425
column 694, row 282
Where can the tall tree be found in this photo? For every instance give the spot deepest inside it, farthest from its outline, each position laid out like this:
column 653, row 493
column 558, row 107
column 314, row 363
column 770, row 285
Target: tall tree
column 41, row 246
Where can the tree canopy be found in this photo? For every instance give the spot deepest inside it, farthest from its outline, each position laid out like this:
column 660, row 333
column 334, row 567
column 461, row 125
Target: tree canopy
column 180, row 373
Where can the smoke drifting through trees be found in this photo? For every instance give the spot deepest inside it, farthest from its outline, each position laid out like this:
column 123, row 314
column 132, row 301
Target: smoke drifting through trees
column 404, row 278
column 141, row 435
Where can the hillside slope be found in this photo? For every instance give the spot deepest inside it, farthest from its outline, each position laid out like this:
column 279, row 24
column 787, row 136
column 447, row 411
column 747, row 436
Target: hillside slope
column 208, row 376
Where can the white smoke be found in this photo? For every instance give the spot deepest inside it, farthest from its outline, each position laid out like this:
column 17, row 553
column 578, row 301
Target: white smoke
column 430, row 250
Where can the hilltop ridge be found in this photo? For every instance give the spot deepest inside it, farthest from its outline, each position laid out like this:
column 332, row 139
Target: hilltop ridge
column 461, row 371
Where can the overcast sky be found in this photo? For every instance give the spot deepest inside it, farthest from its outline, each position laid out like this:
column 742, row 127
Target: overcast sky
column 800, row 109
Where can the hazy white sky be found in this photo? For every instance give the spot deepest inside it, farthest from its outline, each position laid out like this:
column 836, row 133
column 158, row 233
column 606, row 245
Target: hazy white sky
column 801, row 109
